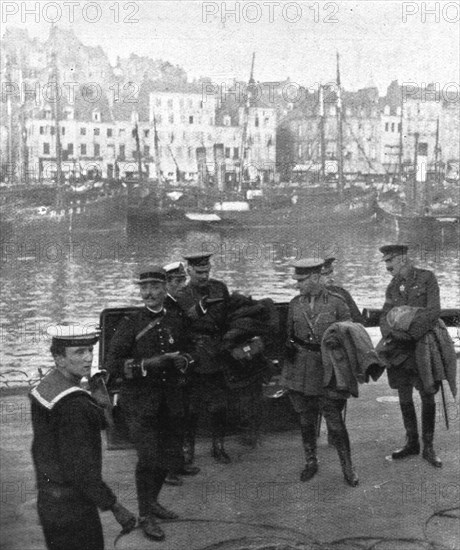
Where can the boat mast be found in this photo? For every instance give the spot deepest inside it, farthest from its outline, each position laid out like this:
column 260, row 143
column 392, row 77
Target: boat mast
column 56, row 113
column 9, row 113
column 322, row 131
column 436, row 155
column 138, row 152
column 245, row 125
column 339, row 131
column 400, row 155
column 414, row 189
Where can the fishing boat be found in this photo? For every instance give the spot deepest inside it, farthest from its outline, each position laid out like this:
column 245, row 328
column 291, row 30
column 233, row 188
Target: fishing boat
column 426, row 200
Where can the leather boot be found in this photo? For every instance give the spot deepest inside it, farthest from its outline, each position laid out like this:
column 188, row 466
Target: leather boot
column 342, row 444
column 412, row 446
column 428, row 421
column 173, row 479
column 188, row 447
column 309, row 446
column 151, row 528
column 218, row 452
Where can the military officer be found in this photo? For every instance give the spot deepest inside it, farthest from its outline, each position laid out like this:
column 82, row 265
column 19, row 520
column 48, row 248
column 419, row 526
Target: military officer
column 205, row 301
column 176, row 279
column 66, row 449
column 309, row 315
column 416, row 287
column 328, row 274
column 150, row 353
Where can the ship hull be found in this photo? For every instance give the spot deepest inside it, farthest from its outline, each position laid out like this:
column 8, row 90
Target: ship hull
column 446, row 221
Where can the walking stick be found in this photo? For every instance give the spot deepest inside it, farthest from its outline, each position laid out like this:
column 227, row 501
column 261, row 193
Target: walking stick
column 345, row 411
column 446, row 417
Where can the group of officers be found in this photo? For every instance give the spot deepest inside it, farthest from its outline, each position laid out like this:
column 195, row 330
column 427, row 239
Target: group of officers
column 166, row 360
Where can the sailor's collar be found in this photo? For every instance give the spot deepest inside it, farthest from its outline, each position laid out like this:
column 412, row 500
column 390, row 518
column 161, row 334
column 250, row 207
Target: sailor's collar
column 53, row 388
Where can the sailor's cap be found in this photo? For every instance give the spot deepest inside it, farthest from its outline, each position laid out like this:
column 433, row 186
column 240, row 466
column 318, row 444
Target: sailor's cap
column 175, row 269
column 389, row 251
column 74, row 335
column 305, row 267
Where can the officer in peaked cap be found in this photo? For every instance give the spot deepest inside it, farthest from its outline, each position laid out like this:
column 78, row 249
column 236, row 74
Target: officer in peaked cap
column 150, row 354
column 410, row 286
column 176, row 278
column 66, row 447
column 327, row 273
column 205, row 301
column 390, row 251
column 310, row 315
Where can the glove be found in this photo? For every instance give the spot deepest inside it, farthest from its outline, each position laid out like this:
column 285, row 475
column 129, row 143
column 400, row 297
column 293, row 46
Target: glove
column 180, row 363
column 290, row 350
column 125, row 518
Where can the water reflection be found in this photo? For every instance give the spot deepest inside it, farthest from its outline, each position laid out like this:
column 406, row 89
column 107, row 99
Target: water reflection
column 56, row 277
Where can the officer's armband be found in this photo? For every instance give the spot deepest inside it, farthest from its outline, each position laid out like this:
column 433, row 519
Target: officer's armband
column 134, row 369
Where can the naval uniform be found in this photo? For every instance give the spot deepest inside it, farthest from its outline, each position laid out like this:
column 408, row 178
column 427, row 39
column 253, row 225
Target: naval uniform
column 67, row 456
column 152, row 404
column 208, row 328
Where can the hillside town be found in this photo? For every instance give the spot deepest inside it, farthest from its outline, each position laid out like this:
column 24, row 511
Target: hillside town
column 112, row 117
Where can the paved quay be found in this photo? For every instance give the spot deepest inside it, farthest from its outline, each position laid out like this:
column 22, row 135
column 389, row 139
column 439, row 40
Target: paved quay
column 258, row 502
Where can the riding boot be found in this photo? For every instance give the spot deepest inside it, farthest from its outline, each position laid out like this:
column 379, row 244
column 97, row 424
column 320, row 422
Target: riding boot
column 412, row 446
column 218, row 423
column 189, row 440
column 342, row 444
column 308, row 432
column 428, row 421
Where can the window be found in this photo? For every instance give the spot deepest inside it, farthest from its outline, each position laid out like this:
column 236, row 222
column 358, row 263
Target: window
column 97, row 150
column 83, row 131
column 70, row 148
column 235, row 152
column 190, row 119
column 146, row 133
column 46, row 148
column 134, row 154
column 171, row 118
column 146, row 151
column 97, row 131
column 392, row 126
column 227, row 120
column 227, row 152
column 170, row 103
column 399, row 127
column 121, row 132
column 257, row 121
column 109, row 132
column 42, row 130
column 52, row 130
column 122, row 152
column 83, row 149
column 63, row 130
column 387, row 125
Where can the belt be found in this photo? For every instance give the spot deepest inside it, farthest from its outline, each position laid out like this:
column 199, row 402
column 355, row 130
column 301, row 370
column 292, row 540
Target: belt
column 311, row 346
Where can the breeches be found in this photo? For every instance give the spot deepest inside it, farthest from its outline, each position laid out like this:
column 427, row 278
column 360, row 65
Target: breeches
column 209, row 390
column 309, row 407
column 69, row 523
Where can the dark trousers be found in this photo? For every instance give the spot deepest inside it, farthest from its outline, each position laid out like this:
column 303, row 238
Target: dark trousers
column 156, row 428
column 69, row 523
column 210, row 392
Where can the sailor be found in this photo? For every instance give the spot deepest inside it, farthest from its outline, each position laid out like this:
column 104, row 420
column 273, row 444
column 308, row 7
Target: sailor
column 176, row 279
column 205, row 301
column 151, row 353
column 66, row 448
column 309, row 315
column 328, row 274
column 410, row 286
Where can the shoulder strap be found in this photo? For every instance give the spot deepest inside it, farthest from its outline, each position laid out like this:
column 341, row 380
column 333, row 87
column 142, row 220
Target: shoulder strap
column 151, row 325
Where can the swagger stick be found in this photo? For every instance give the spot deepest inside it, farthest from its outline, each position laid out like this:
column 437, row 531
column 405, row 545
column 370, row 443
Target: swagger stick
column 446, row 417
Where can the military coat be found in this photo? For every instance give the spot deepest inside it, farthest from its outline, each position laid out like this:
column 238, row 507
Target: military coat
column 304, row 373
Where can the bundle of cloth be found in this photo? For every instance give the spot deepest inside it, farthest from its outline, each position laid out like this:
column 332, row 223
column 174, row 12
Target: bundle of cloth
column 349, row 357
column 435, row 356
column 251, row 326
